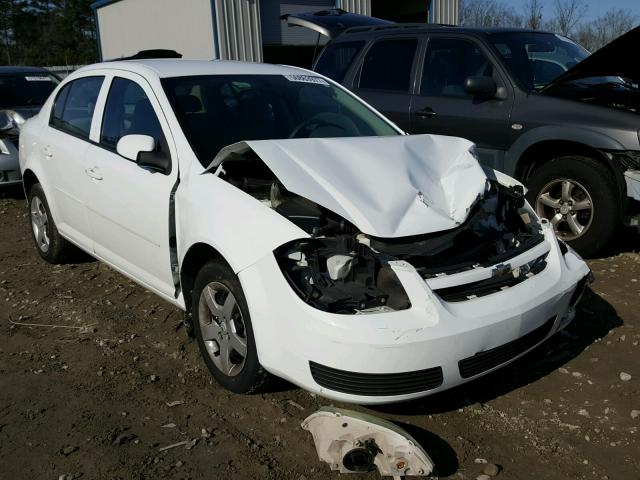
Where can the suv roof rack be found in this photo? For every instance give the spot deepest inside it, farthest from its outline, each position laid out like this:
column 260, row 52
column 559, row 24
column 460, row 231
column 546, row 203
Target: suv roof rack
column 152, row 54
column 396, row 26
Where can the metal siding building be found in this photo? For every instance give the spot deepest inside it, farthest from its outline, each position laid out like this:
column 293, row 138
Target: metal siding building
column 225, row 29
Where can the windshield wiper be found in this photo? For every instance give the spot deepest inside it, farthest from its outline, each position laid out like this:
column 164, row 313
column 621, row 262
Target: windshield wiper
column 609, row 85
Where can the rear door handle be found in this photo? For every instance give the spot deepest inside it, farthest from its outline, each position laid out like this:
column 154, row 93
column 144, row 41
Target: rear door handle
column 94, row 173
column 47, row 151
column 426, row 112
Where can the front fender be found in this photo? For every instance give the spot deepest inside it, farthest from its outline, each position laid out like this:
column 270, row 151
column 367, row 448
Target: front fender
column 242, row 229
column 591, row 138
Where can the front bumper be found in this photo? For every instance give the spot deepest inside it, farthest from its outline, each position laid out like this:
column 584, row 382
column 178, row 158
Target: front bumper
column 426, row 345
column 9, row 163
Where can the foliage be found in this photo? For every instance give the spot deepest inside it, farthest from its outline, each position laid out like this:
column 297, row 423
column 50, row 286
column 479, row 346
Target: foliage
column 47, row 32
column 566, row 17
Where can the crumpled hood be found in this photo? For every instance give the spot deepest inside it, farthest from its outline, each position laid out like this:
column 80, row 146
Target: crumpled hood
column 613, row 60
column 386, row 186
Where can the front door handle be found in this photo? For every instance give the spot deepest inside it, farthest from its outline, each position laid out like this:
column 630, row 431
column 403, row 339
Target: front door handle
column 47, row 151
column 426, row 112
column 94, row 173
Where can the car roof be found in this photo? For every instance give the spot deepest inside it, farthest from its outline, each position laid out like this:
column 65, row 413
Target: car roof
column 165, row 68
column 410, row 28
column 21, row 69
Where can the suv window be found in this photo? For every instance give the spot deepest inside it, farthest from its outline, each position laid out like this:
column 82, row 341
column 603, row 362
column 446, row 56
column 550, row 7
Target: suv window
column 387, row 65
column 337, row 58
column 448, row 63
column 73, row 110
column 128, row 111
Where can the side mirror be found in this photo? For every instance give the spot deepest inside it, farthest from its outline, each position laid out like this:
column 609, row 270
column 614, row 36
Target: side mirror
column 142, row 150
column 10, row 123
column 480, row 86
column 131, row 146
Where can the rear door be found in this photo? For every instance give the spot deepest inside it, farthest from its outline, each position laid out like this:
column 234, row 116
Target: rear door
column 129, row 206
column 385, row 76
column 442, row 106
column 65, row 143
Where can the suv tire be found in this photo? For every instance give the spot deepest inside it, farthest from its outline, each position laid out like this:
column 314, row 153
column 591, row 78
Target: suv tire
column 578, row 196
column 223, row 330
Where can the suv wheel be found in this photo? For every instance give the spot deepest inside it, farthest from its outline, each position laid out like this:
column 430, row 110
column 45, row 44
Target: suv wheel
column 223, row 330
column 578, row 196
column 51, row 246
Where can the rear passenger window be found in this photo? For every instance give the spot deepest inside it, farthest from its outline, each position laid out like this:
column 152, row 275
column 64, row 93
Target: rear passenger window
column 337, row 58
column 75, row 103
column 128, row 111
column 387, row 65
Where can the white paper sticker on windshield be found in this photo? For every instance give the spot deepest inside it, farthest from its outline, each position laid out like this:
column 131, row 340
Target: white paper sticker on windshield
column 306, row 79
column 37, row 79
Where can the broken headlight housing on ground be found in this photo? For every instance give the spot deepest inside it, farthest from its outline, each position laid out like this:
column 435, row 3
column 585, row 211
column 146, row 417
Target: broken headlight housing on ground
column 341, row 274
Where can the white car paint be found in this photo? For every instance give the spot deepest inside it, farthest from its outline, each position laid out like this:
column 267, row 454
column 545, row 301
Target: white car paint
column 427, row 187
column 120, row 213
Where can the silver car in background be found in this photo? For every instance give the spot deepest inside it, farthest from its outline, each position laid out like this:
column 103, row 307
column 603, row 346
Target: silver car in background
column 23, row 91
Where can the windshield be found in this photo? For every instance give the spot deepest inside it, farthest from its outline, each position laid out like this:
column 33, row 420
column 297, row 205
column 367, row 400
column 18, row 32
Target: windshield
column 537, row 58
column 24, row 89
column 217, row 110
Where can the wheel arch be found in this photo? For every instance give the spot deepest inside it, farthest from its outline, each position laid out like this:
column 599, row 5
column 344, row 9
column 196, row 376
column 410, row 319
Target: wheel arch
column 194, row 259
column 29, row 179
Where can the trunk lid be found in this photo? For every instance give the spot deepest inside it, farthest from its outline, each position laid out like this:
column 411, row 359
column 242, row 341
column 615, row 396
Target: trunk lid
column 332, row 22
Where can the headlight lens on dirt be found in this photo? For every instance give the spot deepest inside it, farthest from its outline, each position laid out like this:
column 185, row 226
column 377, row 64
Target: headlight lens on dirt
column 341, row 275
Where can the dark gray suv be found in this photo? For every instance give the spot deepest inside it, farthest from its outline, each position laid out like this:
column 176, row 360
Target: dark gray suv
column 537, row 105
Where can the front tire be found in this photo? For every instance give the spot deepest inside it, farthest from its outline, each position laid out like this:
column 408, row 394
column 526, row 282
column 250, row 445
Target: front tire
column 578, row 196
column 223, row 330
column 51, row 246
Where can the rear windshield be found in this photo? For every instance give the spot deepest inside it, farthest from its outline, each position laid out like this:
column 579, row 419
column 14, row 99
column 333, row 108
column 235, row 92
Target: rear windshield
column 217, row 110
column 536, row 59
column 24, row 89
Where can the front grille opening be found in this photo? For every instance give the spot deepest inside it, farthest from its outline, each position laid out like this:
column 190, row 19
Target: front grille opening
column 483, row 361
column 497, row 283
column 376, row 384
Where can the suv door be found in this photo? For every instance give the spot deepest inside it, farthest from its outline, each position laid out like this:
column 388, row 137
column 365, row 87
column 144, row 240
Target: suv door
column 385, row 77
column 64, row 147
column 443, row 106
column 129, row 206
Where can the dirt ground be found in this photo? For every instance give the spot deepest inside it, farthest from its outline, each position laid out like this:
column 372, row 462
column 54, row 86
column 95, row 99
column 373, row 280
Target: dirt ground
column 93, row 401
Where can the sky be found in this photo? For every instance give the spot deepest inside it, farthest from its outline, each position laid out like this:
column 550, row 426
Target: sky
column 596, row 7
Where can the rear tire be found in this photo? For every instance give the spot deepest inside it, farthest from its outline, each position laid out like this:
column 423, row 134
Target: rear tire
column 578, row 195
column 223, row 330
column 51, row 246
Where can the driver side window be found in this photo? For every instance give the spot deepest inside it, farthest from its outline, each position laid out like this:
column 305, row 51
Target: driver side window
column 128, row 111
column 447, row 65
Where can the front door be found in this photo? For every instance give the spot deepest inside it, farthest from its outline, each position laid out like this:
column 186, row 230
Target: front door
column 129, row 206
column 442, row 106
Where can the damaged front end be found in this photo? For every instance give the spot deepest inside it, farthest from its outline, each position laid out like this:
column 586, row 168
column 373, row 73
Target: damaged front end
column 339, row 268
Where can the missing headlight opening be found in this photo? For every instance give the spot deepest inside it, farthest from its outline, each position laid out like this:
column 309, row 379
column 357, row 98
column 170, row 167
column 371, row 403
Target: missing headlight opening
column 340, row 269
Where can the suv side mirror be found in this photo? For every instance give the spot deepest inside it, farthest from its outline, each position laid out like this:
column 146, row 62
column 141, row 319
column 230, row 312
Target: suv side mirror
column 480, row 86
column 142, row 150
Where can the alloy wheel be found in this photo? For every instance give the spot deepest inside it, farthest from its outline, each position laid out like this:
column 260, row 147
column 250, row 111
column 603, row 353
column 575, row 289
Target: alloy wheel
column 223, row 329
column 568, row 206
column 40, row 224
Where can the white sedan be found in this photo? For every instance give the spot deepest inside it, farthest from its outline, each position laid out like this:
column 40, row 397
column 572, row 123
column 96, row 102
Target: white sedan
column 304, row 235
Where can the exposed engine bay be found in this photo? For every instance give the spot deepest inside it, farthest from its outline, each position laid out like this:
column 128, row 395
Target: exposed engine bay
column 340, row 269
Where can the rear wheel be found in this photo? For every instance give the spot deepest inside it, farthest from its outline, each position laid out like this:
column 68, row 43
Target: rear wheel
column 51, row 246
column 223, row 330
column 578, row 196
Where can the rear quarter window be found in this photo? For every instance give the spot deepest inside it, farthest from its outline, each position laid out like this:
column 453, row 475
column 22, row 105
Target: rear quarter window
column 337, row 58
